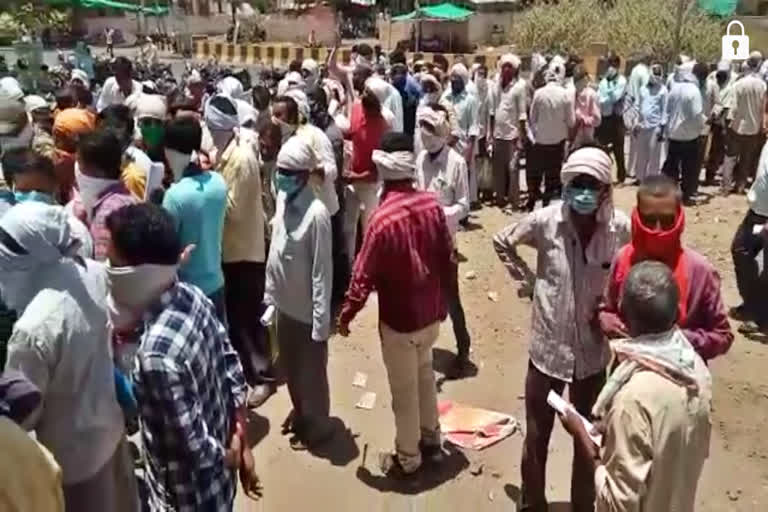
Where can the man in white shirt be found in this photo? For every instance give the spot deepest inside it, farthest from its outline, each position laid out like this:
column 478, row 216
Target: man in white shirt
column 61, row 344
column 508, row 115
column 119, row 87
column 465, row 106
column 747, row 107
column 749, row 241
column 551, row 118
column 442, row 170
column 684, row 121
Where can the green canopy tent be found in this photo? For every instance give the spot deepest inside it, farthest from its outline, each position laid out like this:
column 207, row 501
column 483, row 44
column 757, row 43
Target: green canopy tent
column 718, row 7
column 156, row 10
column 445, row 12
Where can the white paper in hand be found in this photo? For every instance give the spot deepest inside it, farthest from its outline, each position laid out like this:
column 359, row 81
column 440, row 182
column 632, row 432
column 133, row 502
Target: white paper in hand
column 269, row 316
column 557, row 403
column 154, row 179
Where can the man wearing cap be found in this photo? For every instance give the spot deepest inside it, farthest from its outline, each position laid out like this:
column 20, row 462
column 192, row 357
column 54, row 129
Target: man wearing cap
column 576, row 241
column 443, row 171
column 551, row 118
column 465, row 105
column 407, row 259
column 747, row 107
column 150, row 113
column 508, row 115
column 298, row 286
column 118, row 88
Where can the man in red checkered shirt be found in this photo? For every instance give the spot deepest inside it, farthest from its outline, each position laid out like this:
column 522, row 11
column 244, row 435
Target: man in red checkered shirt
column 407, row 258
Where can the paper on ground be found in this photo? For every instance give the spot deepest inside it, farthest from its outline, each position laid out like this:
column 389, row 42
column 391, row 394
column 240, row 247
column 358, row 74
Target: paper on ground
column 472, row 427
column 360, row 380
column 560, row 405
column 367, row 401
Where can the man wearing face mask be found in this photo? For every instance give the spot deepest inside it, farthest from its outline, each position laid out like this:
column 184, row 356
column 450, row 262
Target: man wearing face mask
column 442, row 170
column 367, row 126
column 586, row 109
column 32, row 178
column 197, row 201
column 551, row 118
column 657, row 229
column 648, row 136
column 576, row 241
column 151, row 111
column 508, row 115
column 465, row 107
column 61, row 343
column 685, row 118
column 610, row 94
column 187, row 378
column 298, row 285
column 100, row 191
column 409, row 89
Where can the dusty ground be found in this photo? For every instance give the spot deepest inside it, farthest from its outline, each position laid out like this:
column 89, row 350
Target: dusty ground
column 735, row 477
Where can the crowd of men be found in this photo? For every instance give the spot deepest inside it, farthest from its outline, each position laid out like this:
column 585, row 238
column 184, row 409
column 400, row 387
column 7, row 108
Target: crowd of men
column 149, row 245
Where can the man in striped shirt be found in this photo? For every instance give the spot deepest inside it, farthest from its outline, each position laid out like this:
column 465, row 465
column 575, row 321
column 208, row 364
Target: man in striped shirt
column 407, row 258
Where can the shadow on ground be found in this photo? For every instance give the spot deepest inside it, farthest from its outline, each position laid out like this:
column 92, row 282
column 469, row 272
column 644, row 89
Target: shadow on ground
column 442, row 360
column 428, row 477
column 342, row 448
column 513, row 492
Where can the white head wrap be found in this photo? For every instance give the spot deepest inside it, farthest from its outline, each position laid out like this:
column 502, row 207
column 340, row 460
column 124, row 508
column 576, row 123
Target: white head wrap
column 218, row 120
column 296, row 155
column 246, row 112
column 230, row 86
column 596, row 163
column 33, row 102
column 378, row 87
column 10, row 89
column 436, row 119
column 194, row 77
column 301, row 101
column 79, row 74
column 460, row 70
column 151, row 105
column 510, row 58
column 398, row 165
column 429, row 77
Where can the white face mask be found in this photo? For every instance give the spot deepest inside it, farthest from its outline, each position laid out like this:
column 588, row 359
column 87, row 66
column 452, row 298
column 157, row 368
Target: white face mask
column 91, row 188
column 286, row 129
column 133, row 289
column 178, row 162
column 432, row 143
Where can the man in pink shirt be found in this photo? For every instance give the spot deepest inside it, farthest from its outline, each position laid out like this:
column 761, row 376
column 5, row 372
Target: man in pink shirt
column 587, row 109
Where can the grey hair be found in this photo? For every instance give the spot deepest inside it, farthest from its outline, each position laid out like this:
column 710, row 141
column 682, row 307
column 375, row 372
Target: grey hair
column 649, row 299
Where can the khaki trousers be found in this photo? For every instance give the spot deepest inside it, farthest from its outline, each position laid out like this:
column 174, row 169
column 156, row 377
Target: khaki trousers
column 408, row 359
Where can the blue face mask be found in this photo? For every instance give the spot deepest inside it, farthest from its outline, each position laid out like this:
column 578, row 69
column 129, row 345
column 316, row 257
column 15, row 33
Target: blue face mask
column 291, row 184
column 33, row 195
column 583, row 201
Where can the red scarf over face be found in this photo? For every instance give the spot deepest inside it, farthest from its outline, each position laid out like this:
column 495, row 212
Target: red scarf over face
column 659, row 245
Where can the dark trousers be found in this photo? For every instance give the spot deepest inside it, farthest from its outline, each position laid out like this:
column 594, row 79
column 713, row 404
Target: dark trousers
column 545, row 163
column 539, row 420
column 611, row 133
column 244, row 295
column 683, row 155
column 304, row 362
column 506, row 185
column 752, row 284
column 219, row 300
column 456, row 312
column 341, row 270
column 747, row 149
column 716, row 152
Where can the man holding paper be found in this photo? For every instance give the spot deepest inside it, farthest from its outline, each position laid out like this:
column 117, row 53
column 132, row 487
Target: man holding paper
column 655, row 405
column 576, row 241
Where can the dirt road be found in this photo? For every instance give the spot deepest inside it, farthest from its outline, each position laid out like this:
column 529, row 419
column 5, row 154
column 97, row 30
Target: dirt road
column 735, row 477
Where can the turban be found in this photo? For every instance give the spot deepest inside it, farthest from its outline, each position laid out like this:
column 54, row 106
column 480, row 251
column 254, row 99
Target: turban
column 301, row 100
column 296, row 155
column 217, row 119
column 230, row 86
column 437, row 119
column 397, row 165
column 309, row 65
column 724, row 65
column 510, row 58
column 10, row 89
column 33, row 102
column 72, row 122
column 79, row 74
column 460, row 70
column 756, row 55
column 151, row 105
column 592, row 161
column 429, row 77
column 292, row 80
column 378, row 87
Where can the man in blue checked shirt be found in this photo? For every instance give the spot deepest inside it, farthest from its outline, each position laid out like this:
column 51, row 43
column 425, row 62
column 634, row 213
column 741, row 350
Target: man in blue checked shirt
column 188, row 380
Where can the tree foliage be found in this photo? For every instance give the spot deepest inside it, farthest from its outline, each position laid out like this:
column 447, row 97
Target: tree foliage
column 34, row 18
column 628, row 27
